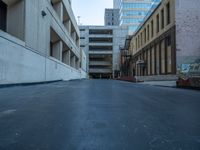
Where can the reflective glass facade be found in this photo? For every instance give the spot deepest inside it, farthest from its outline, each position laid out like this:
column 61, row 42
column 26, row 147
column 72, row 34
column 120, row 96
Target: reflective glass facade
column 133, row 12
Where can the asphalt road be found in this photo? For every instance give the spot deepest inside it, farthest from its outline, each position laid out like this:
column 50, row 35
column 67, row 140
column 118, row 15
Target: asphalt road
column 99, row 115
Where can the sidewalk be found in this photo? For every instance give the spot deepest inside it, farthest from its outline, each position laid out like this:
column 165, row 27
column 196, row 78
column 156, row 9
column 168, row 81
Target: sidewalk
column 160, row 83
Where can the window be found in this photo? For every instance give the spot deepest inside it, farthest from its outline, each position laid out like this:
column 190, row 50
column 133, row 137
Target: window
column 3, row 14
column 162, row 19
column 82, row 29
column 100, row 40
column 82, row 37
column 136, row 43
column 148, row 33
column 82, row 45
column 145, row 33
column 11, row 22
column 101, row 31
column 168, row 13
column 168, row 41
column 158, row 23
column 152, row 28
column 97, row 48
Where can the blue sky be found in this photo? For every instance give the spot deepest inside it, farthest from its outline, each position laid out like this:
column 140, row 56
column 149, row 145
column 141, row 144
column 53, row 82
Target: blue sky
column 91, row 11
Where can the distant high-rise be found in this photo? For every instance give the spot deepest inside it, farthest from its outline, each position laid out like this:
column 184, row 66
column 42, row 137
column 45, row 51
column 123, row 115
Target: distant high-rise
column 111, row 17
column 116, row 4
column 153, row 6
column 133, row 12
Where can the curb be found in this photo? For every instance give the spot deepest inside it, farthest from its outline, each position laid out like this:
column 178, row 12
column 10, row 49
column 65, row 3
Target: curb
column 27, row 84
column 165, row 86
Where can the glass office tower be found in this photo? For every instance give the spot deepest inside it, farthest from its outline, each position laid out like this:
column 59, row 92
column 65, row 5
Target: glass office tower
column 133, row 12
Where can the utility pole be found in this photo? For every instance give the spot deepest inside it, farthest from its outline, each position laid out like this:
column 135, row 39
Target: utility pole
column 79, row 20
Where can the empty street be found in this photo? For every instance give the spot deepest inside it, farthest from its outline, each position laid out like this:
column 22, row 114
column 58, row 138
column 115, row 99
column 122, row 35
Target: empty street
column 99, row 115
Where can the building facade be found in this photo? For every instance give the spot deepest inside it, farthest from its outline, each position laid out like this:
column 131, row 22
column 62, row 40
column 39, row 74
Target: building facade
column 39, row 41
column 133, row 12
column 102, row 46
column 116, row 4
column 168, row 39
column 111, row 17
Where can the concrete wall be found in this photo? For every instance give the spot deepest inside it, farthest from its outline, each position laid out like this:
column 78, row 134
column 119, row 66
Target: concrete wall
column 187, row 31
column 38, row 27
column 84, row 43
column 19, row 64
column 83, row 61
column 25, row 49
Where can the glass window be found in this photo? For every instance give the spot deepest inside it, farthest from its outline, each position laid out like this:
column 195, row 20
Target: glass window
column 162, row 19
column 152, row 28
column 168, row 13
column 158, row 23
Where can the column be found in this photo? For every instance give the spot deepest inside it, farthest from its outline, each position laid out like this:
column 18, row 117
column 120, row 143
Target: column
column 57, row 50
column 66, row 57
column 59, row 9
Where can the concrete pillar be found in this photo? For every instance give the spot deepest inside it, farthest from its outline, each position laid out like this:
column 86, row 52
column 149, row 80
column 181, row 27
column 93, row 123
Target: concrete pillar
column 71, row 57
column 77, row 42
column 74, row 36
column 73, row 61
column 68, row 25
column 59, row 10
column 66, row 57
column 77, row 63
column 57, row 50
